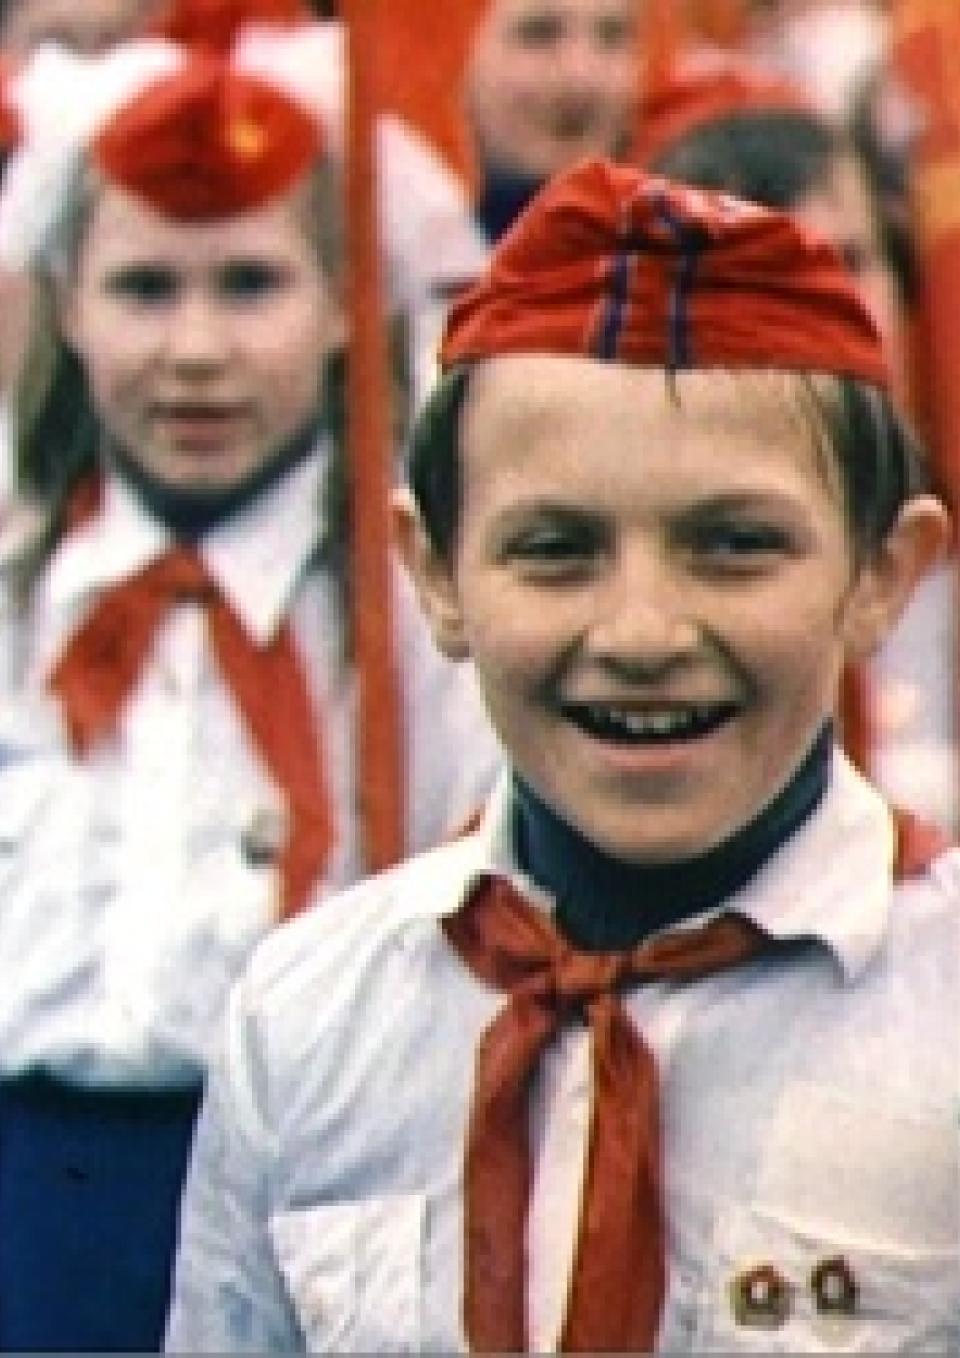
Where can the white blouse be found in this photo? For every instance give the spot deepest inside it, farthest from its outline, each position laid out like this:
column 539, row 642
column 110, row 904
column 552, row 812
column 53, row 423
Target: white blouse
column 128, row 894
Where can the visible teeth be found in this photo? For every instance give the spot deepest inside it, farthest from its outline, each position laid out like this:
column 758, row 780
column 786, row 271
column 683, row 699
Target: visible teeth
column 650, row 724
column 644, row 723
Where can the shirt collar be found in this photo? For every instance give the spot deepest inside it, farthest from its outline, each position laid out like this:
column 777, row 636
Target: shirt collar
column 831, row 881
column 256, row 557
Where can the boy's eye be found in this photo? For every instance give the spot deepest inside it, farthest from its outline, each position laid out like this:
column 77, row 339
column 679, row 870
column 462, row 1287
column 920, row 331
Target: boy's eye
column 740, row 543
column 552, row 549
column 144, row 284
column 244, row 280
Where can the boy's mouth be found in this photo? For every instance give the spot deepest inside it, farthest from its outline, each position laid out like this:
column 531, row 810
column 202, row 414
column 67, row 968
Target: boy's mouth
column 649, row 725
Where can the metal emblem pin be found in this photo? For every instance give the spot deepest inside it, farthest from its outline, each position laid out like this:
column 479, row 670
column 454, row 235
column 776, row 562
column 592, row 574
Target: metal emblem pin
column 761, row 1297
column 834, row 1286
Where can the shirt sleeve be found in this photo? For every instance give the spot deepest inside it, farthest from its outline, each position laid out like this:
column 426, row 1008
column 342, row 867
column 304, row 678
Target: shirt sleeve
column 228, row 1294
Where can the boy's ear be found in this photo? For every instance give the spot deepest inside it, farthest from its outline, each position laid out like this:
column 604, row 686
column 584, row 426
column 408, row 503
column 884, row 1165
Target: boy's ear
column 433, row 576
column 886, row 581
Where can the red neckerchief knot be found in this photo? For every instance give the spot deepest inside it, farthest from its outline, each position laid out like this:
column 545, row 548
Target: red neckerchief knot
column 619, row 1277
column 101, row 665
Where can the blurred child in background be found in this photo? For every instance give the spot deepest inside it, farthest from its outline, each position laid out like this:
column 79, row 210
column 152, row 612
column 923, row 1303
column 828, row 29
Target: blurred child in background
column 180, row 710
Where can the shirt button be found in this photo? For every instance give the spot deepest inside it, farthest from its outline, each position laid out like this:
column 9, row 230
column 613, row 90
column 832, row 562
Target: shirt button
column 263, row 839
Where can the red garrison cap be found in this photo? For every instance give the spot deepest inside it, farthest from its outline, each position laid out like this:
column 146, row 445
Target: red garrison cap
column 211, row 140
column 612, row 263
column 706, row 88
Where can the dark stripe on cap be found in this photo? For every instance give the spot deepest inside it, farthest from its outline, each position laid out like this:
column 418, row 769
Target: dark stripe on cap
column 615, row 306
column 689, row 240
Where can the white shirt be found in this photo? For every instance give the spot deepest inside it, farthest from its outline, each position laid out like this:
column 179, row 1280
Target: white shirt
column 128, row 901
column 810, row 1110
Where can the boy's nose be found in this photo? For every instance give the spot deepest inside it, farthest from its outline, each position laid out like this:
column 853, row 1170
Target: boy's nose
column 645, row 619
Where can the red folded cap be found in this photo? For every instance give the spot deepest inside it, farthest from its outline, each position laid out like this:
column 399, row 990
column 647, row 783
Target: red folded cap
column 208, row 142
column 707, row 88
column 214, row 24
column 613, row 263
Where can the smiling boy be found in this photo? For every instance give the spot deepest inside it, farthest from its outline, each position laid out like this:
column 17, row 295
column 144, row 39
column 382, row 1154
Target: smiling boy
column 658, row 635
column 663, row 1055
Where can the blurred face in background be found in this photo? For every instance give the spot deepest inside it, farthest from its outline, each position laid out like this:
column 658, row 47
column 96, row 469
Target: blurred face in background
column 85, row 25
column 551, row 81
column 204, row 344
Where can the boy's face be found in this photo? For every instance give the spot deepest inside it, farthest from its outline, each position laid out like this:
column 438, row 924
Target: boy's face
column 551, row 81
column 204, row 345
column 658, row 595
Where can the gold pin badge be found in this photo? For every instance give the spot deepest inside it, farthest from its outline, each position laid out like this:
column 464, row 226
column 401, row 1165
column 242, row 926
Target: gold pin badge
column 761, row 1297
column 834, row 1286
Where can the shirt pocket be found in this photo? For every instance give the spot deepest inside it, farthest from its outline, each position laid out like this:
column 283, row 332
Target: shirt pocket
column 850, row 1238
column 354, row 1272
column 776, row 1288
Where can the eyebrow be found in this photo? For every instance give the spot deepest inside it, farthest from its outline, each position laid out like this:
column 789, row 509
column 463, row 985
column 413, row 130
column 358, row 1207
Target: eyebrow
column 519, row 511
column 767, row 497
column 720, row 501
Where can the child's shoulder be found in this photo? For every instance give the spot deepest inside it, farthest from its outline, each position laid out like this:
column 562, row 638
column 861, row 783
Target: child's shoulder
column 334, row 947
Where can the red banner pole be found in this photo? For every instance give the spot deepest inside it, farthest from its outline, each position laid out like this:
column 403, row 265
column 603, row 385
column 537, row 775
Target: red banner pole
column 380, row 773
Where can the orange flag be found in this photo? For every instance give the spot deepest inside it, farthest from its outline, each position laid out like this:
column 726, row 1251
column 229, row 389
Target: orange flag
column 379, row 752
column 664, row 30
column 423, row 51
column 926, row 54
column 926, row 48
column 667, row 27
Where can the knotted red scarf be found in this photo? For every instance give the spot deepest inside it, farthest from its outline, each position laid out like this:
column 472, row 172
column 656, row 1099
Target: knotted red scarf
column 619, row 1278
column 101, row 665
